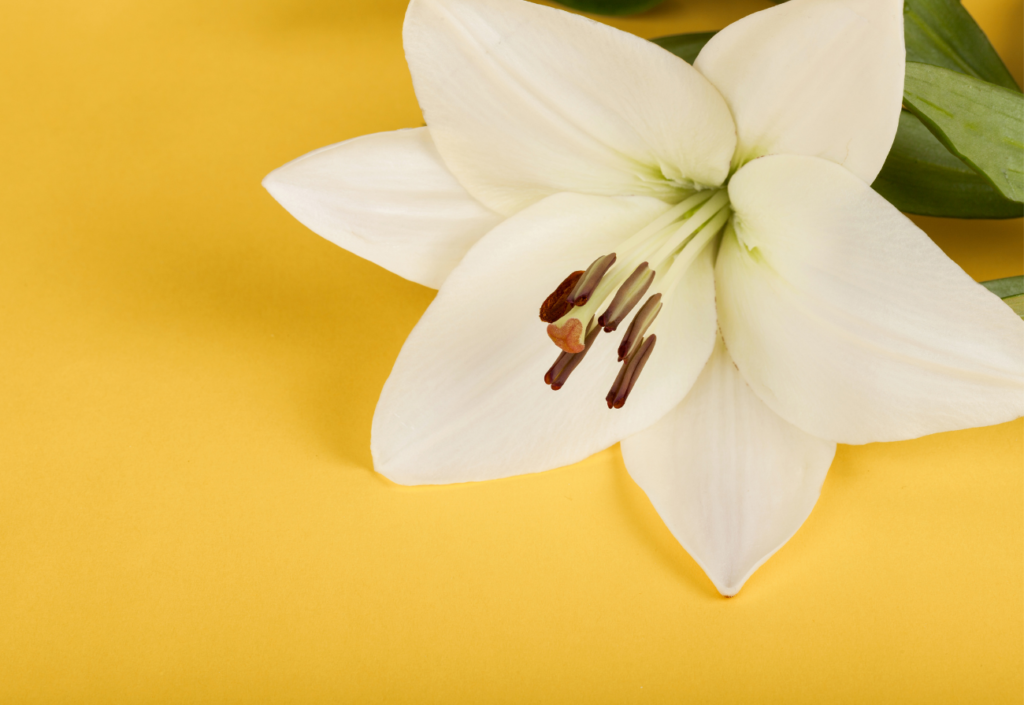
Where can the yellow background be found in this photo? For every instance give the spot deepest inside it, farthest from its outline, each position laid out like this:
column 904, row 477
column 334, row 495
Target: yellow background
column 187, row 378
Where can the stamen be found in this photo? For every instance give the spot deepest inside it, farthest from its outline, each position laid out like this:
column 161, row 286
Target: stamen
column 584, row 288
column 629, row 373
column 666, row 219
column 557, row 305
column 712, row 207
column 567, row 362
column 693, row 249
column 655, row 257
column 628, row 296
column 639, row 325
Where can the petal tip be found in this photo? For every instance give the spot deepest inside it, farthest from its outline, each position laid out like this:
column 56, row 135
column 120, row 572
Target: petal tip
column 390, row 472
column 277, row 184
column 728, row 583
column 728, row 590
column 395, row 480
column 269, row 182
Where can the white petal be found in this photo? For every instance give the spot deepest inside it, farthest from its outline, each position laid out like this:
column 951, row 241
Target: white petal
column 848, row 321
column 388, row 198
column 467, row 400
column 822, row 78
column 524, row 101
column 730, row 478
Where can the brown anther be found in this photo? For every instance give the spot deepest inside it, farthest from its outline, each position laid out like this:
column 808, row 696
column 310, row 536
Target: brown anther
column 568, row 336
column 629, row 373
column 639, row 325
column 584, row 289
column 557, row 305
column 567, row 362
column 628, row 296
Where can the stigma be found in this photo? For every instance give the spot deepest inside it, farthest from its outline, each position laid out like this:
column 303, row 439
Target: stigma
column 642, row 273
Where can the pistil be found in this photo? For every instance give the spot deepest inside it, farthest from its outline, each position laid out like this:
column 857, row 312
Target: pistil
column 567, row 362
column 567, row 334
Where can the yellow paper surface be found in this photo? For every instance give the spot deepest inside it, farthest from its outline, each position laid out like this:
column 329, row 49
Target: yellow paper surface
column 187, row 378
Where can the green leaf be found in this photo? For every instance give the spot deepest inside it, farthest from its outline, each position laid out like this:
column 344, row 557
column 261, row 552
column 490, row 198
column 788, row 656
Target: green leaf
column 611, row 7
column 921, row 176
column 1016, row 303
column 942, row 33
column 1010, row 290
column 685, row 46
column 1005, row 288
column 981, row 123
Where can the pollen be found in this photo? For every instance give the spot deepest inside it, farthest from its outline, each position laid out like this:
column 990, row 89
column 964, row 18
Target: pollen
column 557, row 304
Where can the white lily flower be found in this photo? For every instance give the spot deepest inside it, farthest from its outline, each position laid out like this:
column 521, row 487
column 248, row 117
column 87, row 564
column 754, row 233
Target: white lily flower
column 797, row 308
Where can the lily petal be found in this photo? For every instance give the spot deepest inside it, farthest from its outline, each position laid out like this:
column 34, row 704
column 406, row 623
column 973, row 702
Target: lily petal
column 848, row 321
column 822, row 78
column 467, row 401
column 388, row 198
column 731, row 479
column 525, row 101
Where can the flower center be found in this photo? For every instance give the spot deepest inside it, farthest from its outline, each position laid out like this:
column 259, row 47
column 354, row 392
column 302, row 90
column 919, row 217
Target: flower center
column 648, row 264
